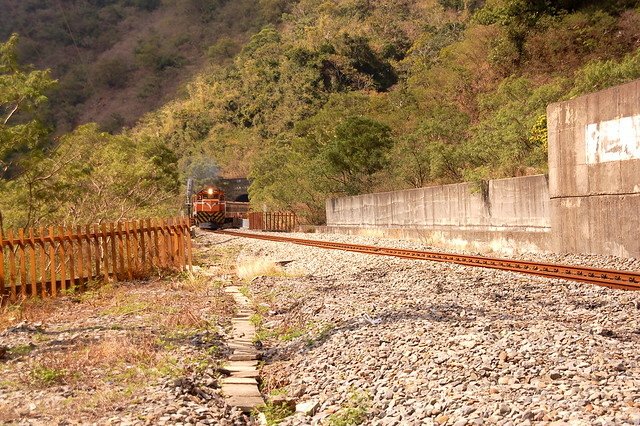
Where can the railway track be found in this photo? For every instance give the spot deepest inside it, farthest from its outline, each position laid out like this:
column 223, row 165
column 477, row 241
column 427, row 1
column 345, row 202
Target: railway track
column 625, row 280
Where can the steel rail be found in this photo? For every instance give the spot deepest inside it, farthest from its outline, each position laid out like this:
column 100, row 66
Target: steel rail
column 625, row 280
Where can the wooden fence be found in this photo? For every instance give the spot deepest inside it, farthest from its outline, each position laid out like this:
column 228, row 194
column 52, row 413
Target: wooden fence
column 45, row 262
column 273, row 221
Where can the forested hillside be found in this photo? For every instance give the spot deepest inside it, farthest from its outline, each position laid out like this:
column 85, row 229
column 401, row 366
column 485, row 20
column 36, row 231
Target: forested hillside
column 348, row 96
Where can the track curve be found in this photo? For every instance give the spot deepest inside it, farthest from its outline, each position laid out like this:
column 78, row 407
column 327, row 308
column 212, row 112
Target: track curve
column 624, row 280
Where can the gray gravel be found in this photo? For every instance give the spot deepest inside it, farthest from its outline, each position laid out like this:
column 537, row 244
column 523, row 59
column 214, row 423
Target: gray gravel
column 416, row 342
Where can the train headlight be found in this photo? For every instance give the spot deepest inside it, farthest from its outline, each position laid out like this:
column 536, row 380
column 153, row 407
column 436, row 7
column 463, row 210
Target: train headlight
column 210, row 191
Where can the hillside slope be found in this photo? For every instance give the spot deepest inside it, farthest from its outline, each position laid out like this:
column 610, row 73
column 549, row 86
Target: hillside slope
column 117, row 59
column 352, row 96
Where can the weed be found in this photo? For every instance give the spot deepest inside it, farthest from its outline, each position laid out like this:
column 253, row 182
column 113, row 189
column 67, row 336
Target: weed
column 257, row 320
column 353, row 412
column 127, row 308
column 183, row 317
column 42, row 375
column 31, row 310
column 275, row 413
column 21, row 350
column 292, row 333
column 191, row 283
column 244, row 290
column 323, row 334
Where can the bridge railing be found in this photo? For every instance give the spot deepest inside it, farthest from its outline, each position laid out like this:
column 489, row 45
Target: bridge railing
column 48, row 261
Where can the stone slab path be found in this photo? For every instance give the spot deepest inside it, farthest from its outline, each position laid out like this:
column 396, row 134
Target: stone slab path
column 241, row 387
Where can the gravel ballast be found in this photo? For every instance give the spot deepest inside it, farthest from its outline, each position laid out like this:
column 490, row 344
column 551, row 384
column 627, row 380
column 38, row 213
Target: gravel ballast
column 416, row 342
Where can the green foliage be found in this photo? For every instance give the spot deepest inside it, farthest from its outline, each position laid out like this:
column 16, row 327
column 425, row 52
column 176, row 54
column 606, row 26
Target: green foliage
column 275, row 413
column 156, row 55
column 113, row 73
column 355, row 153
column 223, row 49
column 511, row 113
column 45, row 376
column 353, row 412
column 21, row 94
column 602, row 74
column 91, row 177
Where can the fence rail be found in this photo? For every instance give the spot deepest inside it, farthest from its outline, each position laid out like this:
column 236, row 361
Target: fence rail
column 273, row 221
column 47, row 261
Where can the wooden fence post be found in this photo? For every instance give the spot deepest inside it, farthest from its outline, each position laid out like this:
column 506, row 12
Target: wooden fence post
column 3, row 288
column 127, row 244
column 105, row 253
column 72, row 269
column 121, row 269
column 52, row 262
column 156, row 242
column 43, row 262
column 63, row 260
column 189, row 242
column 32, row 264
column 80, row 268
column 143, row 245
column 12, row 266
column 23, row 264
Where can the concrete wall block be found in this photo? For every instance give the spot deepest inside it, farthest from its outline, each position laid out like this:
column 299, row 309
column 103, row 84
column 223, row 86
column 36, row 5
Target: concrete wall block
column 501, row 197
column 419, row 207
column 629, row 101
column 383, row 211
column 604, row 178
column 440, row 205
column 428, row 205
column 630, row 176
column 569, row 224
column 400, row 208
column 368, row 210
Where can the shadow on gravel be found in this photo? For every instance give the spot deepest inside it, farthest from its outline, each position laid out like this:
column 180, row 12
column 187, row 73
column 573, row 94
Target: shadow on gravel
column 437, row 313
column 50, row 341
column 219, row 243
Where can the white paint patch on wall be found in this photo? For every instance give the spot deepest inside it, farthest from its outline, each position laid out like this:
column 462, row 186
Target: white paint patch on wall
column 613, row 140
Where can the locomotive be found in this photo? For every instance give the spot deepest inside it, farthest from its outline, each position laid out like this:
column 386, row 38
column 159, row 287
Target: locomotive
column 208, row 208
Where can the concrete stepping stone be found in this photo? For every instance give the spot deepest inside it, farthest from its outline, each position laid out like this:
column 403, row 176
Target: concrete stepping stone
column 245, row 403
column 240, row 380
column 254, row 374
column 241, row 387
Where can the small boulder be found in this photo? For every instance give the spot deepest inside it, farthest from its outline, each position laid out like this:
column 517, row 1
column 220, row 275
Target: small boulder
column 308, row 408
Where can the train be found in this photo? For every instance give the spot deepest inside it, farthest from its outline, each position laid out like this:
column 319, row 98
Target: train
column 209, row 209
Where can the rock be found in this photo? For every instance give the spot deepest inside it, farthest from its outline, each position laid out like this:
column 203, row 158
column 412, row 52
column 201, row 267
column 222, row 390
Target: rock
column 307, row 408
column 442, row 419
column 283, row 401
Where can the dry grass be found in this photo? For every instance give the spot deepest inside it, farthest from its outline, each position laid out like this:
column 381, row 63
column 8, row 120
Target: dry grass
column 120, row 359
column 250, row 268
column 183, row 318
column 31, row 310
column 105, row 346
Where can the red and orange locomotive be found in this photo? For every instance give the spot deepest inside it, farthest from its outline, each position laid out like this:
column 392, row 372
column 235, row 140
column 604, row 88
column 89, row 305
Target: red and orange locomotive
column 209, row 208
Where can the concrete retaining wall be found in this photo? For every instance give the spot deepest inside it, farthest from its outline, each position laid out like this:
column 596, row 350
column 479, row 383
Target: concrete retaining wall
column 511, row 216
column 590, row 205
column 594, row 172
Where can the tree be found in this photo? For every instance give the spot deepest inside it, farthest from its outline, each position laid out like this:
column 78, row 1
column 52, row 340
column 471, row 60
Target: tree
column 22, row 135
column 355, row 154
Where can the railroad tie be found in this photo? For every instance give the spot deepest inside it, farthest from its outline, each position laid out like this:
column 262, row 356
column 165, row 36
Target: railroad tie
column 241, row 387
